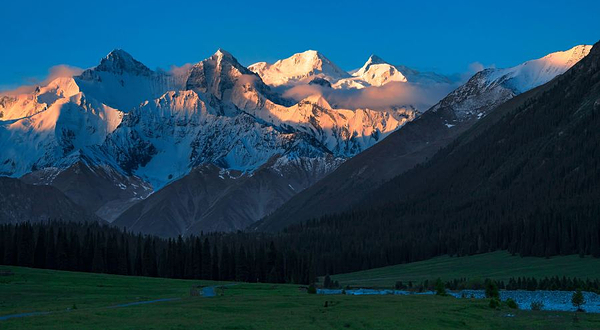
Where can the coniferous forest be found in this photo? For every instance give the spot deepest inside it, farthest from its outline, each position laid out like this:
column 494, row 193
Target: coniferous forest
column 92, row 247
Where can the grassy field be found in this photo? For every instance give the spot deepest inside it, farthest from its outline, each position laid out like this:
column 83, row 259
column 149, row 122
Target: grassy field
column 243, row 306
column 497, row 265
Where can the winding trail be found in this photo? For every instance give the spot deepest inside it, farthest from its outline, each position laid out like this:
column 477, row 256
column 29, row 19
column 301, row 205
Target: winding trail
column 207, row 292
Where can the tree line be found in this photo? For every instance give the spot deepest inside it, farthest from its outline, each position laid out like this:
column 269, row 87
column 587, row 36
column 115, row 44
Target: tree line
column 100, row 248
column 554, row 283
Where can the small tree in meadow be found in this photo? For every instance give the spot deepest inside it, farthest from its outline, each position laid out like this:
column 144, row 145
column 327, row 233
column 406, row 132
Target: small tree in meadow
column 440, row 288
column 537, row 305
column 327, row 282
column 578, row 300
column 491, row 289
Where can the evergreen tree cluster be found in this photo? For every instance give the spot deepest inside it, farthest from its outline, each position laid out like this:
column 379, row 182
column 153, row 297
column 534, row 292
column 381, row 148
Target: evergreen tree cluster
column 92, row 247
column 554, row 283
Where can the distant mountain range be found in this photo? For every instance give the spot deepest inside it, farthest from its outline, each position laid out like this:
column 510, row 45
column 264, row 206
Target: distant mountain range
column 219, row 146
column 420, row 139
column 524, row 178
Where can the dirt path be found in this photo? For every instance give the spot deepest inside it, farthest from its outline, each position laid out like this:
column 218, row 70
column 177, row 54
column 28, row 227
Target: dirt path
column 207, row 291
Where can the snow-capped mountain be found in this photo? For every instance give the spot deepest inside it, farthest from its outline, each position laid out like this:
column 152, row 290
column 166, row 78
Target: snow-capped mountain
column 120, row 132
column 312, row 67
column 140, row 129
column 375, row 72
column 486, row 92
column 491, row 87
column 300, row 67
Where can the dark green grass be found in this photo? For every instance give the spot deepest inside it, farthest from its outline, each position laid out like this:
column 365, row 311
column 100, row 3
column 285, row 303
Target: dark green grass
column 244, row 306
column 496, row 265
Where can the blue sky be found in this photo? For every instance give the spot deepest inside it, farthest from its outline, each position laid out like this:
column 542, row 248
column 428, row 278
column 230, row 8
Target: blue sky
column 433, row 35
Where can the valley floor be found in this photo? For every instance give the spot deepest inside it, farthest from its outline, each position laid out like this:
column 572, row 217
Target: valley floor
column 80, row 301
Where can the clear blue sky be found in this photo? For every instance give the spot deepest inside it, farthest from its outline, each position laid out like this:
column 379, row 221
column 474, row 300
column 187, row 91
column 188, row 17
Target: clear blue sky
column 442, row 35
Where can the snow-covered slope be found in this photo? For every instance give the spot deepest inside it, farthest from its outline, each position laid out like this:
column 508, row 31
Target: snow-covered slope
column 123, row 83
column 297, row 68
column 25, row 105
column 139, row 130
column 491, row 87
column 420, row 139
column 377, row 72
column 56, row 135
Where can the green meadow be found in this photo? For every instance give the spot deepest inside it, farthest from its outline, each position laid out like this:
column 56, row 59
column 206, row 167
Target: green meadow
column 83, row 301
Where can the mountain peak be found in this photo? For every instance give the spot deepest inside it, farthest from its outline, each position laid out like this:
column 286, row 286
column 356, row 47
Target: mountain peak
column 374, row 59
column 119, row 61
column 119, row 53
column 216, row 74
column 568, row 57
column 310, row 53
column 378, row 72
column 222, row 53
column 299, row 68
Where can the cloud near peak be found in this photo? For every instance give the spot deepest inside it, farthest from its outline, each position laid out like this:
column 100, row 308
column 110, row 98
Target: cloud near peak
column 57, row 71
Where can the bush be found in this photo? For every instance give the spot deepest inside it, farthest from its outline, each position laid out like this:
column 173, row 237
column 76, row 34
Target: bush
column 491, row 289
column 578, row 300
column 311, row 289
column 537, row 305
column 474, row 284
column 327, row 282
column 440, row 288
column 495, row 303
column 512, row 304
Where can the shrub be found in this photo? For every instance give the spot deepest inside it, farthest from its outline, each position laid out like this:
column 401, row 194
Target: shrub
column 474, row 284
column 491, row 289
column 440, row 288
column 311, row 289
column 495, row 303
column 512, row 304
column 537, row 305
column 578, row 300
column 327, row 282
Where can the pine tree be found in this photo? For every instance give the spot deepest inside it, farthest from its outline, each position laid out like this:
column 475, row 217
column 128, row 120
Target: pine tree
column 578, row 300
column 39, row 258
column 206, row 261
column 26, row 246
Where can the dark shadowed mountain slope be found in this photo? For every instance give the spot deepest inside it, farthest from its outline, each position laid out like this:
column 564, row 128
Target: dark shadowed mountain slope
column 526, row 179
column 420, row 139
column 100, row 189
column 211, row 199
column 21, row 202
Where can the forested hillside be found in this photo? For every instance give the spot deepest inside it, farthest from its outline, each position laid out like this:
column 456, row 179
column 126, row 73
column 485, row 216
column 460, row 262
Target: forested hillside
column 529, row 183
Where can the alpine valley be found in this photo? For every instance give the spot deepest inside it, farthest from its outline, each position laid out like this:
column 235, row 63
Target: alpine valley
column 217, row 146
